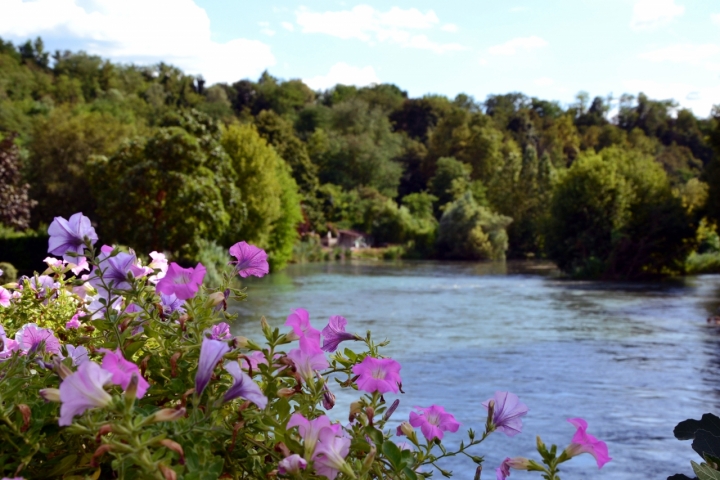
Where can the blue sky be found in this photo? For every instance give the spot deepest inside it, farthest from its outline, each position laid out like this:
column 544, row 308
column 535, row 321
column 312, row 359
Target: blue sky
column 551, row 49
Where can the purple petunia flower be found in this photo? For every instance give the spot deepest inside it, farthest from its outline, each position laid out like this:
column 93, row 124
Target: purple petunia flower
column 253, row 359
column 171, row 304
column 508, row 413
column 221, row 331
column 335, row 333
column 299, row 320
column 243, row 387
column 183, row 282
column 251, row 260
column 330, row 453
column 5, row 297
column 82, row 390
column 291, row 465
column 583, row 442
column 307, row 360
column 30, row 337
column 517, row 463
column 69, row 236
column 78, row 354
column 122, row 371
column 211, row 352
column 7, row 345
column 433, row 421
column 112, row 271
column 378, row 375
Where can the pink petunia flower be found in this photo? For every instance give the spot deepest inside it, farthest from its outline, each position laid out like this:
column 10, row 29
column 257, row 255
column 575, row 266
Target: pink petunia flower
column 291, row 465
column 378, row 375
column 334, row 333
column 253, row 360
column 5, row 297
column 83, row 390
column 517, row 463
column 183, row 282
column 221, row 331
column 508, row 413
column 7, row 345
column 74, row 322
column 310, row 430
column 30, row 337
column 122, row 371
column 583, row 442
column 433, row 421
column 330, row 453
column 299, row 320
column 307, row 360
column 250, row 260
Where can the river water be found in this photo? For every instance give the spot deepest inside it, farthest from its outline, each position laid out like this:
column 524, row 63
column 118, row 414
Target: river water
column 631, row 359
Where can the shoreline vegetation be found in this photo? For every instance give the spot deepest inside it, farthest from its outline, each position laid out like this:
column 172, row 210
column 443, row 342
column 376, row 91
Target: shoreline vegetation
column 607, row 188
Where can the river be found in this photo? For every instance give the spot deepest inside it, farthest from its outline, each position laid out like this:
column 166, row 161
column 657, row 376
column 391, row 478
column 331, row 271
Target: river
column 633, row 359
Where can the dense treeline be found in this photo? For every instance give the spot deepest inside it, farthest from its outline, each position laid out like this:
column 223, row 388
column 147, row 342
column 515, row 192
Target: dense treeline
column 158, row 159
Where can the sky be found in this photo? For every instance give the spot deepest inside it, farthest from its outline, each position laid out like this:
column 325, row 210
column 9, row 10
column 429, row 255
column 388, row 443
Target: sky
column 551, row 49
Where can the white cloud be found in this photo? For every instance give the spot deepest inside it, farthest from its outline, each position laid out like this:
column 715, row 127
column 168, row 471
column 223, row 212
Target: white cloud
column 518, row 9
column 288, row 26
column 511, row 47
column 649, row 14
column 686, row 53
column 544, row 81
column 365, row 23
column 449, row 27
column 344, row 74
column 699, row 99
column 715, row 18
column 482, row 61
column 173, row 31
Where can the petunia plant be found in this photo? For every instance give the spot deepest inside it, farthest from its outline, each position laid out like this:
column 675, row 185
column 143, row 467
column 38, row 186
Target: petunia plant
column 111, row 368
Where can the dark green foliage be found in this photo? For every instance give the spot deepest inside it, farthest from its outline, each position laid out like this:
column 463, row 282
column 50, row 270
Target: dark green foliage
column 9, row 272
column 24, row 250
column 614, row 215
column 15, row 204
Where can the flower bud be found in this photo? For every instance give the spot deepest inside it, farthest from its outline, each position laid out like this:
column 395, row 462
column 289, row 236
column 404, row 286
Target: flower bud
column 104, row 430
column 518, row 463
column 369, row 459
column 328, row 399
column 167, row 415
column 478, row 471
column 131, row 391
column 285, row 392
column 241, row 342
column 26, row 414
column 265, row 327
column 405, row 429
column 175, row 447
column 291, row 465
column 291, row 336
column 355, row 408
column 101, row 450
column 215, row 299
column 391, row 410
column 61, row 369
column 50, row 394
column 167, row 472
column 489, row 425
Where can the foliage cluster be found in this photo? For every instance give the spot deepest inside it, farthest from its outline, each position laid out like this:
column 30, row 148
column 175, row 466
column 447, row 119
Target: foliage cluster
column 272, row 159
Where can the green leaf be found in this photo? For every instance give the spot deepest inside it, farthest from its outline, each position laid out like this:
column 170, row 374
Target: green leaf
column 705, row 472
column 133, row 347
column 392, row 452
column 410, row 474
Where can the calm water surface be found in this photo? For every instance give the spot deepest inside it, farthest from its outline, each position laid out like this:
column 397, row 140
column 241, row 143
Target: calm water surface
column 632, row 359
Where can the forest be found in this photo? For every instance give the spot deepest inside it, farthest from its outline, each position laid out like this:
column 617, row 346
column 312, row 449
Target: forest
column 605, row 188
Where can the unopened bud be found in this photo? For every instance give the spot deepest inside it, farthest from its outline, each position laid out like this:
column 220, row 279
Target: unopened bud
column 391, row 410
column 370, row 412
column 167, row 472
column 285, row 392
column 131, row 391
column 328, row 399
column 369, row 459
column 518, row 463
column 291, row 336
column 173, row 364
column 241, row 342
column 355, row 408
column 265, row 327
column 489, row 425
column 175, row 447
column 50, row 394
column 104, row 430
column 478, row 471
column 168, row 415
column 540, row 444
column 405, row 429
column 101, row 450
column 26, row 414
column 60, row 368
column 215, row 299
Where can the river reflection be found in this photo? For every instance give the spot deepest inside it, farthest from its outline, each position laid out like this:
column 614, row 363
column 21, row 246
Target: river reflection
column 632, row 359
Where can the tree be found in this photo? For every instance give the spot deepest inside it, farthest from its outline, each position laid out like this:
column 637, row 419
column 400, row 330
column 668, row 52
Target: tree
column 268, row 190
column 15, row 204
column 170, row 191
column 468, row 231
column 614, row 216
column 451, row 181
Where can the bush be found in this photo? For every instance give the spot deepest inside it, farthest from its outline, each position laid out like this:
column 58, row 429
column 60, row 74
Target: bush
column 9, row 273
